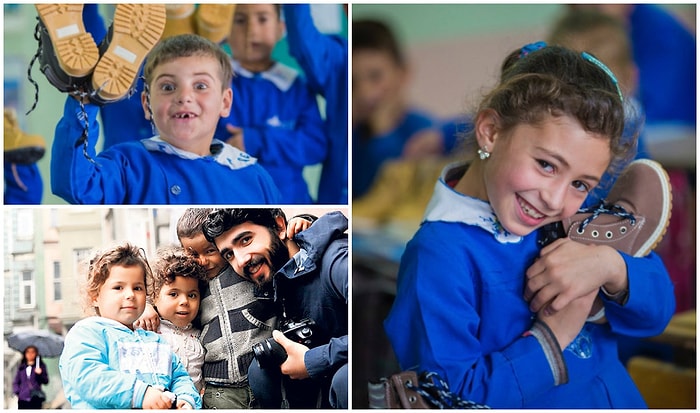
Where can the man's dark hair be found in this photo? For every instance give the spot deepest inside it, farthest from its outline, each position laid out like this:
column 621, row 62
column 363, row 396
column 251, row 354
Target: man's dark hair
column 222, row 220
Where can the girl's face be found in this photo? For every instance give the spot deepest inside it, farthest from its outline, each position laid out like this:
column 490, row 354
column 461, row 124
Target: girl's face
column 187, row 100
column 255, row 31
column 122, row 297
column 179, row 302
column 541, row 174
column 30, row 354
column 206, row 253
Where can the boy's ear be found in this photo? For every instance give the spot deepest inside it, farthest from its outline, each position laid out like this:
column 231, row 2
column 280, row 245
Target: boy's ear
column 227, row 101
column 281, row 30
column 486, row 127
column 144, row 104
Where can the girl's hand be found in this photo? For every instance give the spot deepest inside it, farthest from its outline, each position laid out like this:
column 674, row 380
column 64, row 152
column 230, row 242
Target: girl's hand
column 149, row 320
column 156, row 399
column 567, row 323
column 183, row 405
column 296, row 225
column 567, row 270
column 38, row 370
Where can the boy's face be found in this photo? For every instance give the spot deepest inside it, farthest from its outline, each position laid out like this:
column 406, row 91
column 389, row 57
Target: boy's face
column 187, row 100
column 179, row 302
column 377, row 83
column 206, row 253
column 122, row 297
column 255, row 30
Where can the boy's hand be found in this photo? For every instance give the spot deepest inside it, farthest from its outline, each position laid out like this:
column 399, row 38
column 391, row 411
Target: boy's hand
column 567, row 270
column 149, row 320
column 294, row 366
column 423, row 144
column 236, row 139
column 296, row 225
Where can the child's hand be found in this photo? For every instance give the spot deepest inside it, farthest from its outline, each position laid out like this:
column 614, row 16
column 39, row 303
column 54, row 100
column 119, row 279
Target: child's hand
column 567, row 270
column 183, row 405
column 156, row 399
column 424, row 144
column 568, row 322
column 149, row 320
column 296, row 225
column 294, row 366
column 236, row 139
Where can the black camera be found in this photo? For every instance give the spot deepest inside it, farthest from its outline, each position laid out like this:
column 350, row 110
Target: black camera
column 269, row 353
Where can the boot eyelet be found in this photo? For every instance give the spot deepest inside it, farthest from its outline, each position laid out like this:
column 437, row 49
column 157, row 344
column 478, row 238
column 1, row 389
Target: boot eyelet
column 412, row 399
column 580, row 231
column 623, row 230
column 594, row 234
column 608, row 234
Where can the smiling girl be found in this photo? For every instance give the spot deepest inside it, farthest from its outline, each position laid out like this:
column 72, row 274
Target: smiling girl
column 464, row 306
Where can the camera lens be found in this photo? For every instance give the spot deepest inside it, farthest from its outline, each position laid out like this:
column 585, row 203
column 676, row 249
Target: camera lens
column 269, row 353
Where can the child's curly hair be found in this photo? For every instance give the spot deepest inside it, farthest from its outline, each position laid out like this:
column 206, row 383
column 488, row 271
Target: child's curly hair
column 101, row 263
column 175, row 261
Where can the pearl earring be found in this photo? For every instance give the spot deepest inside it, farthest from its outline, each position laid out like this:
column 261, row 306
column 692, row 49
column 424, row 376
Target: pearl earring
column 483, row 153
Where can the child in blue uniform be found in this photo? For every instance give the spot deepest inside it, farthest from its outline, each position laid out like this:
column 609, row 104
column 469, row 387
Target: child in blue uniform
column 324, row 59
column 383, row 124
column 187, row 78
column 106, row 362
column 274, row 115
column 471, row 305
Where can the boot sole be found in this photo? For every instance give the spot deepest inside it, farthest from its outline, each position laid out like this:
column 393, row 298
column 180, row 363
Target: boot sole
column 667, row 195
column 75, row 49
column 135, row 30
column 214, row 21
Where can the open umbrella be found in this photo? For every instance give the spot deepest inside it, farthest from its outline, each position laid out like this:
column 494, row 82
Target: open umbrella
column 49, row 344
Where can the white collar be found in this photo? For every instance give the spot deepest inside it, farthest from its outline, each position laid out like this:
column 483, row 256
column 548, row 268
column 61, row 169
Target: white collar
column 279, row 74
column 448, row 205
column 222, row 153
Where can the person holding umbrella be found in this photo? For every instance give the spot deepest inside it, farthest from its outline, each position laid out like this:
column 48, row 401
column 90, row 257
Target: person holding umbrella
column 31, row 375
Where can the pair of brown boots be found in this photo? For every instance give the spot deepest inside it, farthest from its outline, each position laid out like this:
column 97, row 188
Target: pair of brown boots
column 212, row 21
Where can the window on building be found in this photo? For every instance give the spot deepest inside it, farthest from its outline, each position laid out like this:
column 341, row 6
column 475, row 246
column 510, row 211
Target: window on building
column 57, row 281
column 25, row 227
column 26, row 289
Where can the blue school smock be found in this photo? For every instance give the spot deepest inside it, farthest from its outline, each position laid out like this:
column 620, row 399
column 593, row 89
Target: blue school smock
column 23, row 184
column 324, row 59
column 151, row 171
column 459, row 311
column 106, row 365
column 282, row 126
column 370, row 152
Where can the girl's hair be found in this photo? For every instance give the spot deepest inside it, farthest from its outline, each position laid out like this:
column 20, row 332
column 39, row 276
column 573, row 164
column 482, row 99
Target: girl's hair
column 102, row 261
column 190, row 223
column 556, row 81
column 171, row 262
column 186, row 45
column 369, row 34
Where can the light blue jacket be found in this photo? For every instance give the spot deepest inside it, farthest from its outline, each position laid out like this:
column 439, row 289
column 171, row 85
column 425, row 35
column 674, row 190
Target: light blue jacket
column 106, row 365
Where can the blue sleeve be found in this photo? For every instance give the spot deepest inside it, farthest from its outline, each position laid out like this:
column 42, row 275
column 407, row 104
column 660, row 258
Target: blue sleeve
column 320, row 56
column 434, row 326
column 84, row 364
column 651, row 302
column 75, row 178
column 326, row 359
column 23, row 184
column 182, row 384
column 303, row 144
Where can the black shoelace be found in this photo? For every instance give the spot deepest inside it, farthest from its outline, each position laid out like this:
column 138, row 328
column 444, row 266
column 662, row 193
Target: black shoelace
column 436, row 392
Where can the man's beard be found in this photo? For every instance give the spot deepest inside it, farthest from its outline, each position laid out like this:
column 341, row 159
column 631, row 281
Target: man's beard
column 279, row 255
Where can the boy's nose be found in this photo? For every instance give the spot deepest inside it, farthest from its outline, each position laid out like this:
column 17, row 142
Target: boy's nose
column 555, row 197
